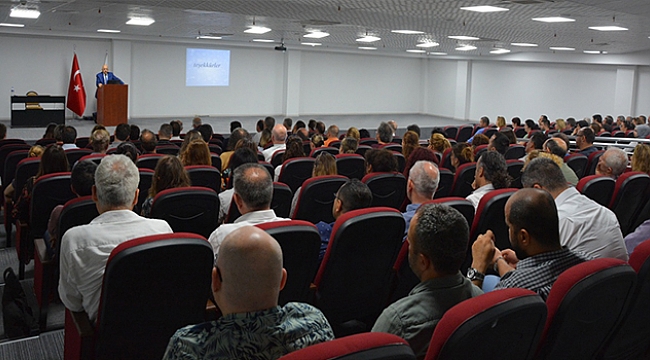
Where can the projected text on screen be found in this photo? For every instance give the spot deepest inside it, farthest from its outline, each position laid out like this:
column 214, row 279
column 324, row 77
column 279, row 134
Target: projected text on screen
column 206, row 67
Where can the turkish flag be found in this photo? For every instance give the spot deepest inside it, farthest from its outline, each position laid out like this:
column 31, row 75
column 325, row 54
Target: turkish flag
column 76, row 91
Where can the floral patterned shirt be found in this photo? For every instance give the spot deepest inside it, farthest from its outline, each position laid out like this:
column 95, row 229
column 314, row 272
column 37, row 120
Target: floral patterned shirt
column 266, row 334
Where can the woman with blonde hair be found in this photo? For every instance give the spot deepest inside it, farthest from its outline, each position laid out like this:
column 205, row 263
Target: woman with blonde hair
column 560, row 125
column 641, row 158
column 460, row 154
column 325, row 164
column 169, row 174
column 410, row 142
column 501, row 122
column 349, row 145
column 439, row 143
column 353, row 132
column 197, row 152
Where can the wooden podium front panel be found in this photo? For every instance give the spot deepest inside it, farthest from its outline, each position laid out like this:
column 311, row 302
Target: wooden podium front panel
column 112, row 104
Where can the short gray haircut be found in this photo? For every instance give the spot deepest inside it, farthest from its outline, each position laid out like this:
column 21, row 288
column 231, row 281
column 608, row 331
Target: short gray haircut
column 424, row 184
column 116, row 180
column 255, row 191
column 616, row 159
column 545, row 173
column 385, row 132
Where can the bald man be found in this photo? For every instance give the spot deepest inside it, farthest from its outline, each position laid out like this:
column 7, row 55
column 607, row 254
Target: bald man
column 246, row 280
column 279, row 139
column 422, row 184
column 612, row 163
column 102, row 78
column 537, row 258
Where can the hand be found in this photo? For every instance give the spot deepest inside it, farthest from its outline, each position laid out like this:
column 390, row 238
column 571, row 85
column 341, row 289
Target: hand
column 483, row 251
column 510, row 257
column 100, row 85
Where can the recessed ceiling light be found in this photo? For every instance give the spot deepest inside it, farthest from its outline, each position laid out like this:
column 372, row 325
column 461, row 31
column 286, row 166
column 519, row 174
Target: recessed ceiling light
column 499, row 51
column 562, row 48
column 484, row 8
column 368, row 39
column 312, row 44
column 206, row 37
column 466, row 48
column 257, row 30
column 24, row 13
column 407, row 32
column 367, row 48
column 554, row 19
column 463, row 37
column 140, row 21
column 524, row 44
column 263, row 40
column 317, row 35
column 595, row 52
column 417, row 51
column 428, row 44
column 12, row 25
column 438, row 53
column 108, row 31
column 608, row 28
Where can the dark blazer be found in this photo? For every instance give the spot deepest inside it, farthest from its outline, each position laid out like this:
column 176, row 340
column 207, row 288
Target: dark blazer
column 99, row 78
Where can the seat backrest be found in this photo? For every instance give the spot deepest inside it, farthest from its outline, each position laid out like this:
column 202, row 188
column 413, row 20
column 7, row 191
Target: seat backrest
column 388, row 189
column 520, row 131
column 10, row 165
column 152, row 286
column 490, row 131
column 168, row 149
column 353, row 278
column 352, row 166
column 75, row 212
column 362, row 149
column 96, row 158
column 629, row 197
column 205, row 176
column 578, row 163
column 445, row 184
column 280, row 204
column 489, row 322
column 295, row 171
column 365, row 346
column 515, row 152
column 401, row 161
column 463, row 205
column 445, row 162
column 332, row 150
column 463, row 180
column 74, row 155
column 368, row 141
column 593, row 161
column 584, row 305
column 146, row 178
column 598, row 188
column 465, row 132
column 276, row 158
column 514, row 170
column 216, row 161
column 451, row 132
column 392, row 147
column 404, row 279
column 48, row 192
column 479, row 150
column 148, row 161
column 82, row 142
column 300, row 243
column 190, row 209
column 25, row 169
column 316, row 198
column 6, row 150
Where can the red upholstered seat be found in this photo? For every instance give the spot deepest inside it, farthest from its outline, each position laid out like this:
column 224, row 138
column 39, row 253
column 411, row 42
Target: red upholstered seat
column 598, row 188
column 167, row 149
column 514, row 170
column 388, row 188
column 366, row 346
column 584, row 304
column 146, row 178
column 74, row 155
column 205, row 176
column 629, row 197
column 463, row 180
column 463, row 205
column 445, row 162
column 445, row 184
column 464, row 133
column 392, row 147
column 578, row 163
column 502, row 324
column 451, row 131
column 593, row 161
column 316, row 198
column 479, row 150
column 368, row 141
column 10, row 166
column 96, row 158
column 188, row 209
column 362, row 149
column 281, row 203
column 317, row 151
column 148, row 161
column 8, row 148
column 276, row 158
column 515, row 152
column 352, row 166
column 295, row 171
column 216, row 161
column 401, row 161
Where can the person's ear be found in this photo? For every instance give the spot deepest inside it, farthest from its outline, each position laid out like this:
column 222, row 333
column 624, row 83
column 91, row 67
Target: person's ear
column 216, row 282
column 94, row 194
column 283, row 281
column 135, row 199
column 524, row 238
column 238, row 201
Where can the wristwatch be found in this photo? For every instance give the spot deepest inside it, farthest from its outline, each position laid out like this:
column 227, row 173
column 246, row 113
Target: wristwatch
column 473, row 274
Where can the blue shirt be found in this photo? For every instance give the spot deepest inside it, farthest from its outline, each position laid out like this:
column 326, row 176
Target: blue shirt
column 325, row 231
column 408, row 215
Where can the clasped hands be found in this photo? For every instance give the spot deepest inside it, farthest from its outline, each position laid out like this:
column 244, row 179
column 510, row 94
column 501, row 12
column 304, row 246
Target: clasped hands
column 485, row 254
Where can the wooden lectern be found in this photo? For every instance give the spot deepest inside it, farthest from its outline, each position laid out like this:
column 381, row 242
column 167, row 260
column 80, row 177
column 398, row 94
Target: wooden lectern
column 112, row 104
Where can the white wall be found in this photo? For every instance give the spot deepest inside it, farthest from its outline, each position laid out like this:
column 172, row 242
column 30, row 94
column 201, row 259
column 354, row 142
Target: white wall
column 643, row 91
column 442, row 84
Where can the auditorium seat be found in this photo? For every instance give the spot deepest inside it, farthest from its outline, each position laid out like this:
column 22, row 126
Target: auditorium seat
column 362, row 149
column 169, row 149
column 45, row 142
column 281, row 203
column 578, row 163
column 146, row 178
column 316, row 197
column 295, row 171
column 445, row 184
column 515, row 168
column 216, row 161
column 515, row 152
column 148, row 161
column 336, row 144
column 403, row 279
column 392, row 147
column 629, row 197
column 205, row 176
column 215, row 148
column 598, row 188
column 464, row 133
column 8, row 149
column 520, row 132
column 366, row 346
column 502, row 324
column 489, row 132
column 451, row 131
column 619, row 134
column 4, row 142
column 352, row 166
column 96, row 158
column 368, row 141
column 82, row 142
column 300, row 243
column 401, row 161
column 10, row 165
column 479, row 150
column 584, row 304
column 74, row 155
column 25, row 169
column 152, row 286
column 463, row 205
column 188, row 209
column 445, row 161
column 593, row 162
column 332, row 150
column 388, row 188
column 276, row 158
column 463, row 180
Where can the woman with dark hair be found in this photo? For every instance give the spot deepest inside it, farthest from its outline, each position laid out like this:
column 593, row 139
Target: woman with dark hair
column 49, row 131
column 128, row 149
column 417, row 155
column 189, row 137
column 135, row 132
column 243, row 155
column 364, row 134
column 294, row 149
column 196, row 153
column 410, row 142
column 325, row 164
column 461, row 153
column 169, row 174
column 380, row 160
column 236, row 135
column 491, row 174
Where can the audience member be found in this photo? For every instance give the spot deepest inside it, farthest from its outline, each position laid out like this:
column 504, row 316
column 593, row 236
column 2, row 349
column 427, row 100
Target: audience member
column 535, row 142
column 235, row 136
column 439, row 143
column 196, row 122
column 196, row 152
column 641, row 158
column 265, row 139
column 243, row 155
column 418, row 154
column 483, row 125
column 491, row 174
column 558, row 147
column 206, row 132
column 148, row 142
column 86, row 248
column 279, row 137
column 58, row 133
column 384, row 134
column 560, row 125
column 69, row 136
column 169, row 174
column 612, row 163
column 134, row 133
column 530, row 127
column 461, row 153
column 129, row 150
column 415, row 128
column 410, row 142
column 294, row 149
column 380, row 160
column 49, row 131
column 501, row 123
column 100, row 140
column 438, row 241
column 421, row 185
column 165, row 134
column 234, row 125
column 122, row 133
column 320, row 128
column 585, row 141
column 332, row 135
column 516, row 122
column 393, row 126
column 512, row 138
column 246, row 280
column 316, row 141
column 364, row 134
column 349, row 145
column 479, row 140
column 259, row 126
column 311, row 124
column 10, row 190
column 500, row 143
column 177, row 127
column 324, row 164
column 353, row 132
column 269, row 122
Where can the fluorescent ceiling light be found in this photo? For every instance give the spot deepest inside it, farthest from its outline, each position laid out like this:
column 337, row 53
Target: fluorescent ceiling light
column 12, row 25
column 595, row 52
column 257, row 30
column 466, row 48
column 499, row 51
column 367, row 48
column 368, row 39
column 312, row 44
column 417, row 51
column 463, row 37
column 438, row 53
column 317, row 35
column 554, row 19
column 108, row 31
column 209, row 37
column 427, row 44
column 562, row 48
column 407, row 32
column 263, row 40
column 608, row 28
column 484, row 9
column 524, row 44
column 140, row 21
column 24, row 13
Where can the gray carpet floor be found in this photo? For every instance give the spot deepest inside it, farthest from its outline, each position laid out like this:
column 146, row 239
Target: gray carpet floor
column 47, row 346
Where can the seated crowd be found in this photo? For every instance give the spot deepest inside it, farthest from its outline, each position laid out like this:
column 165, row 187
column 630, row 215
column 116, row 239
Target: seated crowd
column 552, row 226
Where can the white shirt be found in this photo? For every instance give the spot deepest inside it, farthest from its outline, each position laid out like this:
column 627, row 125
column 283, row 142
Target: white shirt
column 69, row 146
column 478, row 194
column 251, row 218
column 85, row 250
column 225, row 199
column 588, row 227
column 268, row 153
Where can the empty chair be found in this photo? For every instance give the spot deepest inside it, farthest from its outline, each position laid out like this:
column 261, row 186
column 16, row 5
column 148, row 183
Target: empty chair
column 584, row 305
column 96, row 158
column 445, row 184
column 74, row 155
column 401, row 161
column 276, row 158
column 515, row 152
column 361, row 150
column 316, row 151
column 216, row 161
column 578, row 163
column 463, row 180
column 598, row 188
column 295, row 171
column 465, row 132
column 451, row 131
column 152, row 286
column 593, row 161
column 368, row 141
column 388, row 188
column 514, row 170
column 392, row 147
column 502, row 324
column 629, row 197
column 188, row 209
column 205, row 176
column 146, row 178
column 352, row 166
column 280, row 204
column 168, row 149
column 148, row 161
column 366, row 346
column 300, row 243
column 316, row 198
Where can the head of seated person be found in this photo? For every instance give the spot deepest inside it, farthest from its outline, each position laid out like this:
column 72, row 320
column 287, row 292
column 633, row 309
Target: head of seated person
column 169, row 174
column 253, row 187
column 116, row 184
column 349, row 145
column 422, row 183
column 325, row 164
column 612, row 163
column 384, row 133
column 380, row 160
column 128, row 149
column 82, row 178
column 353, row 195
column 100, row 140
column 196, row 152
column 148, row 141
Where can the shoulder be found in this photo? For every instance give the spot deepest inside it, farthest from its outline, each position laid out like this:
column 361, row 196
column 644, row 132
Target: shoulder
column 189, row 342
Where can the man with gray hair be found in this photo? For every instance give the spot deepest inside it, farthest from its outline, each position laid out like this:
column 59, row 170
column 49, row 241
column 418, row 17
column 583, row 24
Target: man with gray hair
column 279, row 139
column 612, row 163
column 253, row 192
column 422, row 184
column 384, row 134
column 86, row 248
column 585, row 226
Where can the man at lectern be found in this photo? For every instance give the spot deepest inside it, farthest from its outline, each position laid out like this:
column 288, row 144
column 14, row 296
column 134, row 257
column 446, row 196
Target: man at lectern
column 106, row 77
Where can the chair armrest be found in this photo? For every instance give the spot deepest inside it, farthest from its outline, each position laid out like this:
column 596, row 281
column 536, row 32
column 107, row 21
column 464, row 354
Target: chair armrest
column 79, row 336
column 41, row 251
